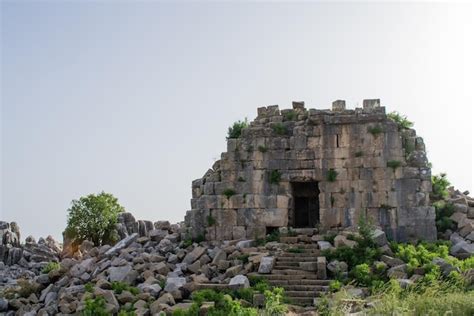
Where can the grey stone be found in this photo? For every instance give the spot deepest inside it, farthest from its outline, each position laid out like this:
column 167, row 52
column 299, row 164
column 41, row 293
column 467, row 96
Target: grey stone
column 174, row 283
column 323, row 245
column 122, row 244
column 239, row 281
column 379, row 237
column 194, row 255
column 266, row 265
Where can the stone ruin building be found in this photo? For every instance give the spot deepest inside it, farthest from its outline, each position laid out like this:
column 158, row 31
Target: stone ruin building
column 308, row 168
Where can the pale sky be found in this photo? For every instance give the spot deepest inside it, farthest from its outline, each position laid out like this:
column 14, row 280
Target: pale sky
column 134, row 98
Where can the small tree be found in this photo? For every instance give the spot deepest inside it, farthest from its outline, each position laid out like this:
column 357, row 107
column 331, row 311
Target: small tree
column 93, row 217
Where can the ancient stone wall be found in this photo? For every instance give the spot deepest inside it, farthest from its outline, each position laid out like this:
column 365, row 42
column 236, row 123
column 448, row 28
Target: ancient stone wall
column 362, row 162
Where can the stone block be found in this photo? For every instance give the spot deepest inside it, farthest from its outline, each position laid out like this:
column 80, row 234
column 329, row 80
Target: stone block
column 238, row 232
column 321, row 268
column 371, row 103
column 266, row 265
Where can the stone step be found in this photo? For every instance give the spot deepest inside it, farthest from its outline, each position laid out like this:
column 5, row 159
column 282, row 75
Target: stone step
column 292, row 271
column 315, row 252
column 288, row 263
column 280, row 267
column 314, row 288
column 302, row 301
column 297, row 259
column 303, row 293
column 281, row 276
column 304, row 282
column 304, row 245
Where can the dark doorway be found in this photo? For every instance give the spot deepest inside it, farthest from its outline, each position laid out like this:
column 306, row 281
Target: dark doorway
column 306, row 204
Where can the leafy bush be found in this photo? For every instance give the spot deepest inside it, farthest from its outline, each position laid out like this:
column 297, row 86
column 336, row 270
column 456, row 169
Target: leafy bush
column 274, row 302
column 362, row 274
column 335, row 285
column 51, row 266
column 440, row 186
column 401, row 120
column 280, row 129
column 262, row 149
column 223, row 304
column 95, row 307
column 275, row 177
column 229, row 192
column 331, row 175
column 93, row 217
column 118, row 287
column 273, row 236
column 394, row 164
column 89, row 287
column 375, row 130
column 236, row 129
column 365, row 251
column 290, row 115
column 244, row 258
column 443, row 212
column 330, row 237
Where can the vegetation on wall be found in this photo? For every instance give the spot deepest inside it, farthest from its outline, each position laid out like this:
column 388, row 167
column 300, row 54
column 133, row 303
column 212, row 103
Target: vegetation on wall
column 280, row 129
column 229, row 192
column 375, row 130
column 275, row 177
column 401, row 120
column 93, row 217
column 331, row 175
column 394, row 164
column 236, row 129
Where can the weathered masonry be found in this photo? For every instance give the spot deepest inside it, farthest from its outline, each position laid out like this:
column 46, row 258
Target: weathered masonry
column 316, row 168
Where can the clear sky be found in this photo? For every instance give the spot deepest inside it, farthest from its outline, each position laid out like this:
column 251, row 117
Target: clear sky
column 134, row 98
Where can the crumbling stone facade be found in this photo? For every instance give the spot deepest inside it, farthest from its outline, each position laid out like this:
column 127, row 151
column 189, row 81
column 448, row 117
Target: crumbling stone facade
column 316, row 168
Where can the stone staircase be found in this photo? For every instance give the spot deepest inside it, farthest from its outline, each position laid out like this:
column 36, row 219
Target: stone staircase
column 296, row 271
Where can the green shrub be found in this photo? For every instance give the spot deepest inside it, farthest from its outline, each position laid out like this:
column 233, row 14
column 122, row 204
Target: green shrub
column 229, row 192
column 93, row 217
column 335, row 285
column 365, row 250
column 394, row 164
column 211, row 221
column 262, row 149
column 51, row 266
column 331, row 175
column 274, row 302
column 275, row 177
column 118, row 287
column 330, row 237
column 280, row 129
column 89, row 287
column 440, row 186
column 244, row 258
column 95, row 307
column 290, row 115
column 362, row 274
column 254, row 279
column 262, row 286
column 375, row 130
column 401, row 120
column 273, row 236
column 236, row 129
